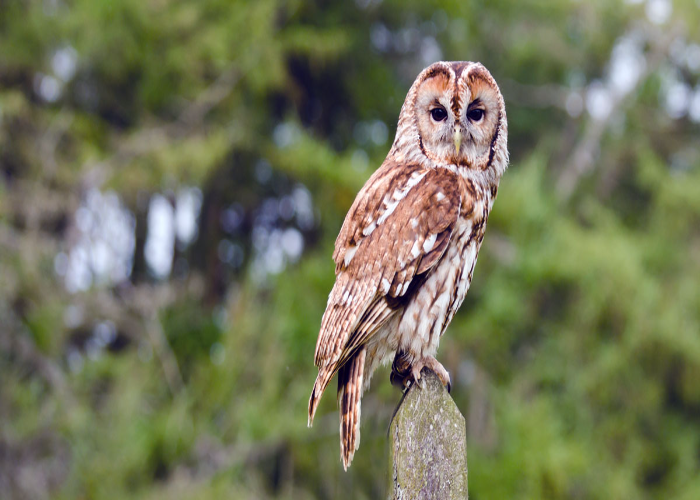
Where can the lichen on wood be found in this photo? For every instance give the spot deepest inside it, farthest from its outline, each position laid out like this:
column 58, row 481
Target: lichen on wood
column 428, row 444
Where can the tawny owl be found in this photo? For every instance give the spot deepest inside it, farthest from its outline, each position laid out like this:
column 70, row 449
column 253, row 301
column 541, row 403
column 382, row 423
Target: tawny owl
column 407, row 249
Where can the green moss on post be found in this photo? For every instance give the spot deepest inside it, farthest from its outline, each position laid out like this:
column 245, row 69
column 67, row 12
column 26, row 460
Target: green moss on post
column 428, row 444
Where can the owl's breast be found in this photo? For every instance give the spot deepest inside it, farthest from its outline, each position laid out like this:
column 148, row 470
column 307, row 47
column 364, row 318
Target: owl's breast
column 433, row 306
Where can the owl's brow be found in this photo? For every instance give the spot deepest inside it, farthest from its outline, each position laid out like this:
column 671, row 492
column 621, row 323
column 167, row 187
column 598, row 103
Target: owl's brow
column 439, row 70
column 476, row 102
column 479, row 73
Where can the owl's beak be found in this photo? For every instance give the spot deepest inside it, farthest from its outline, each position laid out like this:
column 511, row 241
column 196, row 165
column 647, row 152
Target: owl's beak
column 458, row 140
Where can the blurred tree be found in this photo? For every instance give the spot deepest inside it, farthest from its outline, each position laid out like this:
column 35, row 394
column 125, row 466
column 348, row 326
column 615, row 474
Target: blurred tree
column 173, row 175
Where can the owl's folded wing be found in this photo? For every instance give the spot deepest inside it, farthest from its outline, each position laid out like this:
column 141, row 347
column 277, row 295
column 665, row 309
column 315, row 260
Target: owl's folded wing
column 394, row 234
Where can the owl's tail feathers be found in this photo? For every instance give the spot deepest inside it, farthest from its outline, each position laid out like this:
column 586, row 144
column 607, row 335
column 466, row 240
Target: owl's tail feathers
column 350, row 380
column 349, row 394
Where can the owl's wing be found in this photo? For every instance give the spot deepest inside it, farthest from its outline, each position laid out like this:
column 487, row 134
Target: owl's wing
column 394, row 234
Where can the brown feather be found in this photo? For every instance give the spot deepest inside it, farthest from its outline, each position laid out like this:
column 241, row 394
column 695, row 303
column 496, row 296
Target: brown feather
column 349, row 394
column 428, row 208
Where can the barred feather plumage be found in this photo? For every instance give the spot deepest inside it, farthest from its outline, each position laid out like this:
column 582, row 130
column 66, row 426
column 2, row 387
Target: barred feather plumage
column 407, row 249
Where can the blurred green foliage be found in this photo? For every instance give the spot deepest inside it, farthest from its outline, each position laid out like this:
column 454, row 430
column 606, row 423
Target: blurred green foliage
column 575, row 357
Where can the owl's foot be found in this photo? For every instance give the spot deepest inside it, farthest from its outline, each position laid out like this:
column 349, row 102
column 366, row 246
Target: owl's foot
column 401, row 375
column 434, row 365
column 405, row 370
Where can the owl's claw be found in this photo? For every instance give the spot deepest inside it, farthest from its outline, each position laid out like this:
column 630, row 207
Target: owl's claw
column 434, row 365
column 404, row 372
column 415, row 375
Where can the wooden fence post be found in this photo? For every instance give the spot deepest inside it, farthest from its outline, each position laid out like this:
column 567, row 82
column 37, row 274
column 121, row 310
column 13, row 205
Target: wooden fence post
column 428, row 444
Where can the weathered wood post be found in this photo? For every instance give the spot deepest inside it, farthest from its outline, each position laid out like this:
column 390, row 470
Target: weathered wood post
column 428, row 439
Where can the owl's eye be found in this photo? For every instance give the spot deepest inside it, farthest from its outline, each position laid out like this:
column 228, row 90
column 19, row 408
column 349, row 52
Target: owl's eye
column 438, row 114
column 475, row 114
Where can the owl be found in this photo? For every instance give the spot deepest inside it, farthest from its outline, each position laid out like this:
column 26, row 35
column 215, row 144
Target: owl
column 406, row 252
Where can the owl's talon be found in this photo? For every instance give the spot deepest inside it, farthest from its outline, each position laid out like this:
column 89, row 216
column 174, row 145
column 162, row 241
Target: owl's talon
column 432, row 364
column 415, row 373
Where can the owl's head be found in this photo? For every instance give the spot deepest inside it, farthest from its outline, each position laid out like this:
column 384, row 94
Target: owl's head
column 458, row 114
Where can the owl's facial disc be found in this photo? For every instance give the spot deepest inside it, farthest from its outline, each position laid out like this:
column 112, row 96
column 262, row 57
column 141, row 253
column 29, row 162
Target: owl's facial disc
column 479, row 116
column 457, row 113
column 435, row 116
